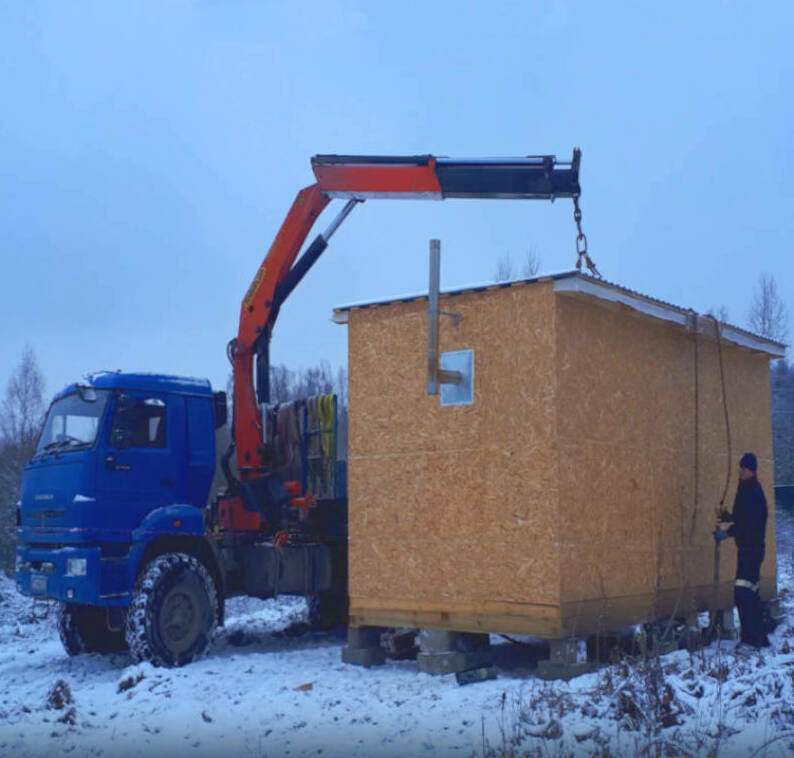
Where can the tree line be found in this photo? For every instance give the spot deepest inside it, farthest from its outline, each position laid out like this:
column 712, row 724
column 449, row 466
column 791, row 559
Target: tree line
column 21, row 417
column 287, row 384
column 768, row 317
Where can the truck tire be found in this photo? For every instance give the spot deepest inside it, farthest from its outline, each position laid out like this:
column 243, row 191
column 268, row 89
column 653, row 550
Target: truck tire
column 84, row 629
column 173, row 611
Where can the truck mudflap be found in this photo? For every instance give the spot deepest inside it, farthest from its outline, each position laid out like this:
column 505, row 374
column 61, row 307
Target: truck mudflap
column 73, row 575
column 302, row 569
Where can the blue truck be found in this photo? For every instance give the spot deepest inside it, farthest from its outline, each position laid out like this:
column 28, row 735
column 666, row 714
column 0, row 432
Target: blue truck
column 119, row 519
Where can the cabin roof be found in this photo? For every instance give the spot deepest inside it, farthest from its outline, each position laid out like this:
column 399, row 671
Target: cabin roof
column 576, row 284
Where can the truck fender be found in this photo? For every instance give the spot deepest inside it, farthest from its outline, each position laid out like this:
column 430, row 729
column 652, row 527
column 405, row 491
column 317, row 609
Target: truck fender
column 175, row 528
column 170, row 519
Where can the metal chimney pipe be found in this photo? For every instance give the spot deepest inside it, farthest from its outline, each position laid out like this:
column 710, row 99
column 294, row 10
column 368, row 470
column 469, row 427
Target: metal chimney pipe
column 435, row 375
column 432, row 317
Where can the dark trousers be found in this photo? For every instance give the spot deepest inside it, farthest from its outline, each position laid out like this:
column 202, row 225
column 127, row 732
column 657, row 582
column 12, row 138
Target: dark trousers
column 748, row 601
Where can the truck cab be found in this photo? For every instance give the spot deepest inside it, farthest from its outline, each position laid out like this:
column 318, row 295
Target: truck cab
column 123, row 459
column 118, row 521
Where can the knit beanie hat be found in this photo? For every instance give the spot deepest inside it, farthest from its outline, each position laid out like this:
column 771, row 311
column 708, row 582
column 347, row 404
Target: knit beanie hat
column 748, row 461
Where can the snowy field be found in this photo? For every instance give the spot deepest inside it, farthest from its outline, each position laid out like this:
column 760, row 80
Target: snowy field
column 263, row 693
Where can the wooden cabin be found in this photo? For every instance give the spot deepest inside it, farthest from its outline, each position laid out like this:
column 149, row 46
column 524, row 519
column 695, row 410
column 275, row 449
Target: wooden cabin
column 573, row 491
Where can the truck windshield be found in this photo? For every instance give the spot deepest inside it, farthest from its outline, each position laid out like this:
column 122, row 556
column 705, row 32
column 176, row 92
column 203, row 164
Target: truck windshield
column 72, row 423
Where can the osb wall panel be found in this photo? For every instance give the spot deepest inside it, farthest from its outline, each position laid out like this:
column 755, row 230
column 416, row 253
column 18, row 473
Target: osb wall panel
column 454, row 507
column 630, row 522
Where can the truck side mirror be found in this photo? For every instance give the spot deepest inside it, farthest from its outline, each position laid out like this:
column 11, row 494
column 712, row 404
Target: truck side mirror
column 221, row 409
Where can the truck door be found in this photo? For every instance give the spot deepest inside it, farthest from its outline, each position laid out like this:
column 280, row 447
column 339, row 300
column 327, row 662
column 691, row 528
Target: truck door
column 143, row 463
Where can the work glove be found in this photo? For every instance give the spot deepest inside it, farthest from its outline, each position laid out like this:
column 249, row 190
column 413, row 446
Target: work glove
column 720, row 535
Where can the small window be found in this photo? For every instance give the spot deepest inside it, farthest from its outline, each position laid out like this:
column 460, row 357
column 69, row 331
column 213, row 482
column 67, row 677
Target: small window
column 139, row 422
column 461, row 361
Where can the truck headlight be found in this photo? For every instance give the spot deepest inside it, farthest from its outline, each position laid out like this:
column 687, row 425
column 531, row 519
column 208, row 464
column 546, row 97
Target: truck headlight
column 76, row 566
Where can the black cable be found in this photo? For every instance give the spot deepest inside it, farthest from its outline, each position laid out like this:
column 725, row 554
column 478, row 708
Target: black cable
column 725, row 409
column 730, row 446
column 697, row 429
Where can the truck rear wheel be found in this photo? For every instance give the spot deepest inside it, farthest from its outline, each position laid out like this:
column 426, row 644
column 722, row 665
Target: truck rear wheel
column 84, row 629
column 173, row 611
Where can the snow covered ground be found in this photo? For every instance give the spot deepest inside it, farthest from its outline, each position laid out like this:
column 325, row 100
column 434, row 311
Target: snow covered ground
column 262, row 693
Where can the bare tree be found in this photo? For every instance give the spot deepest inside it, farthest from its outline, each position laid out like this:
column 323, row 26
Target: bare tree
column 287, row 384
column 504, row 269
column 21, row 415
column 782, row 385
column 341, row 385
column 282, row 384
column 721, row 314
column 23, row 406
column 342, row 413
column 531, row 263
column 768, row 316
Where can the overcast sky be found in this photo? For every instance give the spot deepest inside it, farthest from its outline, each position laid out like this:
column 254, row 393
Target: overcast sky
column 150, row 150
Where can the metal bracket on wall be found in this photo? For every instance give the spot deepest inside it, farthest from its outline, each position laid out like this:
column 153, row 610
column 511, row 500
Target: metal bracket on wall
column 454, row 316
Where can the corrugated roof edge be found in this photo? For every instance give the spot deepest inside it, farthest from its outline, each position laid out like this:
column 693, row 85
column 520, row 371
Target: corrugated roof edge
column 576, row 282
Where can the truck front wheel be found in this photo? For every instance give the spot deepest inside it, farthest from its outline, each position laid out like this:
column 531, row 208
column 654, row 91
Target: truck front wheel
column 173, row 611
column 84, row 629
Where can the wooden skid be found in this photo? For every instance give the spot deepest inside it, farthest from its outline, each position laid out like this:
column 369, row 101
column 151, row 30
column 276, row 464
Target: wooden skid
column 573, row 619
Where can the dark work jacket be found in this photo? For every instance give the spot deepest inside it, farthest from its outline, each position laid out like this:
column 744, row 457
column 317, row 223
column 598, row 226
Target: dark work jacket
column 749, row 516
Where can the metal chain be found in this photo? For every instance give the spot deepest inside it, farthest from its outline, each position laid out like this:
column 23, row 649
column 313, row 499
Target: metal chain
column 581, row 241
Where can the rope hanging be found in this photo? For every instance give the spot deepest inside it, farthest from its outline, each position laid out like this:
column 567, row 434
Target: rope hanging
column 697, row 427
column 718, row 330
column 718, row 333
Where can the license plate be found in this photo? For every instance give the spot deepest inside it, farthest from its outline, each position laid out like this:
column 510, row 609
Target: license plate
column 38, row 584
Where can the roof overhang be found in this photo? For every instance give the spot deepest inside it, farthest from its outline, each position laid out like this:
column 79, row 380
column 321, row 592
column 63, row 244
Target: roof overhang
column 574, row 284
column 585, row 286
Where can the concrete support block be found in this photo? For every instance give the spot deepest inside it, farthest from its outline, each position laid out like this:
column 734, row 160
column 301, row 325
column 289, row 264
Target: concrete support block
column 400, row 644
column 566, row 651
column 567, row 659
column 363, row 646
column 444, row 652
column 450, row 663
column 657, row 639
column 363, row 636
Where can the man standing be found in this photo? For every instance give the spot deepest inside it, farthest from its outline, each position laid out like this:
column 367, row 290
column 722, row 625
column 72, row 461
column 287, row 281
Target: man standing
column 748, row 529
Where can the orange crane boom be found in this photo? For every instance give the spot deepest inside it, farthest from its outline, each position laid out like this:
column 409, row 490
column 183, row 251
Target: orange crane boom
column 359, row 178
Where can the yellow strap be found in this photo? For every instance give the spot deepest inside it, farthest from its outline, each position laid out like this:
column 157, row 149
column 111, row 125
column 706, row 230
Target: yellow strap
column 748, row 584
column 326, row 406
